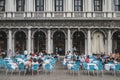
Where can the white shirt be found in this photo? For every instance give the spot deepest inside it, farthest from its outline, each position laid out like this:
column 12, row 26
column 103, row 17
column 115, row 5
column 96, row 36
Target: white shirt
column 25, row 52
column 34, row 63
column 82, row 59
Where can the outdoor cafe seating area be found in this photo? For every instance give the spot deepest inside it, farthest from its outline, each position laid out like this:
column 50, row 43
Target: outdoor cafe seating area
column 92, row 64
column 27, row 64
column 35, row 64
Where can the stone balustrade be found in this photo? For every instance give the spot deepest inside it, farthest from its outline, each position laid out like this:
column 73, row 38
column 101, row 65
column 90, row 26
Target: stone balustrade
column 60, row 15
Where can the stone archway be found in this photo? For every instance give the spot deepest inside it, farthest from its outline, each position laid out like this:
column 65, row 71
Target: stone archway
column 39, row 41
column 116, row 42
column 79, row 42
column 59, row 42
column 98, row 42
column 20, row 41
column 3, row 41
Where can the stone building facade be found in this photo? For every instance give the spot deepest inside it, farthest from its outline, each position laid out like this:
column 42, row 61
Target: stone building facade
column 89, row 26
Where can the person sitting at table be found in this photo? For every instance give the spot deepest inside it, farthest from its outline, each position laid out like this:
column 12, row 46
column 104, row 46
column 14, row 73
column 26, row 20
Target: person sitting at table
column 115, row 61
column 107, row 60
column 34, row 62
column 40, row 62
column 118, row 59
column 99, row 58
column 28, row 64
column 70, row 55
column 87, row 60
column 111, row 61
column 82, row 58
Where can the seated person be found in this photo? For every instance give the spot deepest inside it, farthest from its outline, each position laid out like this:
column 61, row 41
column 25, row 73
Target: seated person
column 40, row 62
column 107, row 60
column 87, row 60
column 82, row 58
column 115, row 61
column 28, row 63
column 34, row 62
column 111, row 61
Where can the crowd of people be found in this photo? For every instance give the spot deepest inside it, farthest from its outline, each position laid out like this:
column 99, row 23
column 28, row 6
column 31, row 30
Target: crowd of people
column 28, row 60
column 36, row 58
column 69, row 56
column 113, row 58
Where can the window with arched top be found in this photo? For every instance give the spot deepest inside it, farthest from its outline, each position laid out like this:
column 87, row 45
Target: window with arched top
column 2, row 5
column 39, row 41
column 78, row 5
column 116, row 42
column 39, row 5
column 59, row 42
column 97, row 5
column 3, row 40
column 20, row 41
column 79, row 42
column 20, row 5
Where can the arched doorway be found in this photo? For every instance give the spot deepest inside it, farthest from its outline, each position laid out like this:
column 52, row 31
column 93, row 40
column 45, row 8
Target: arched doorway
column 79, row 42
column 98, row 43
column 39, row 41
column 3, row 41
column 59, row 43
column 116, row 42
column 20, row 41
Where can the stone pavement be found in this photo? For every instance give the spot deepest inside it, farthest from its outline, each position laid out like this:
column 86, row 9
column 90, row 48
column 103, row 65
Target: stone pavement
column 60, row 73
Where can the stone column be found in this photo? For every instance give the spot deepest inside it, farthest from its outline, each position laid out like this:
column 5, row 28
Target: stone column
column 85, row 5
column 69, row 5
column 69, row 40
column 89, row 42
column 109, row 42
column 9, row 7
column 86, row 46
column 48, row 7
column 49, row 42
column 32, row 45
column 29, row 41
column 105, row 45
column 13, row 44
column 9, row 45
column 89, row 5
column 105, row 5
column 30, row 5
column 52, row 46
column 66, row 45
column 110, row 5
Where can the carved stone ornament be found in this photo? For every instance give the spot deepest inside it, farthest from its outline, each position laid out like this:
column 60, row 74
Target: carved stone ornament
column 60, row 23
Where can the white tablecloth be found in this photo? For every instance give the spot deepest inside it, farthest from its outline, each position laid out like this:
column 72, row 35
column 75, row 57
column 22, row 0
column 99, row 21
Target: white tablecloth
column 108, row 66
column 14, row 65
column 95, row 66
column 69, row 66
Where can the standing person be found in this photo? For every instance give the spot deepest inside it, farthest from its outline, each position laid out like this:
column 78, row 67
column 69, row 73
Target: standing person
column 25, row 52
column 56, row 49
column 70, row 55
column 9, row 53
column 74, row 49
